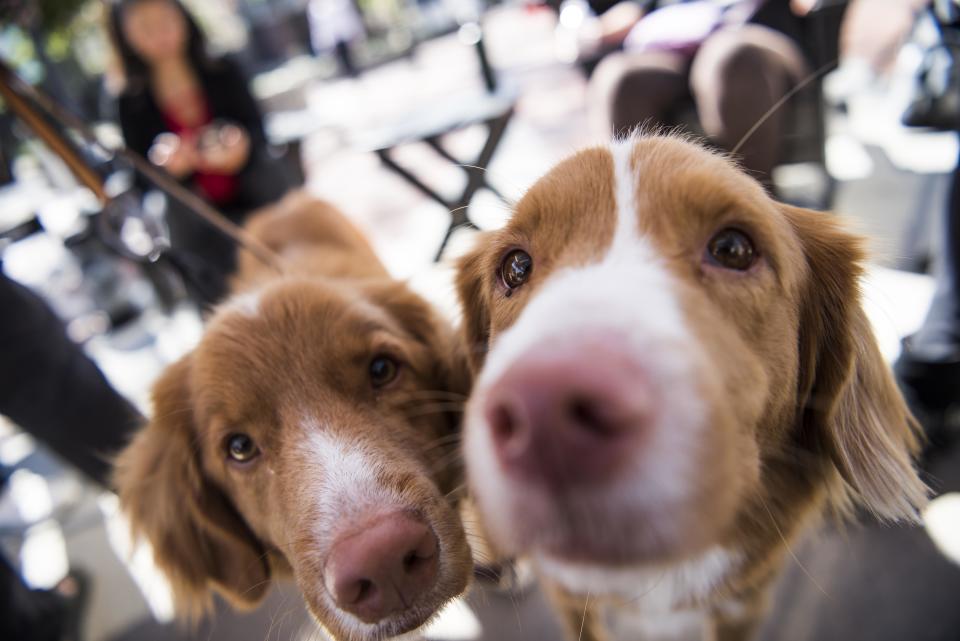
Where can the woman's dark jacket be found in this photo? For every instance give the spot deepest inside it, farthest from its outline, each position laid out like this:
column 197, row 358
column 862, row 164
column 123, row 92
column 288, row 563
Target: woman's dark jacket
column 228, row 98
column 205, row 255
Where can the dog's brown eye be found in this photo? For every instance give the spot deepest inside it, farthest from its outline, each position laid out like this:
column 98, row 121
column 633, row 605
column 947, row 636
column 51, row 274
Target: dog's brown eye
column 732, row 249
column 241, row 448
column 383, row 370
column 516, row 268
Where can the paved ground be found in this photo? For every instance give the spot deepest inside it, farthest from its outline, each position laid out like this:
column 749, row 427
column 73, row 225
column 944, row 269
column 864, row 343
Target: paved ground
column 863, row 582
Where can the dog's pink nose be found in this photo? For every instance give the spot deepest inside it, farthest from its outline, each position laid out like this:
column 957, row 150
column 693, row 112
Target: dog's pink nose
column 382, row 568
column 569, row 414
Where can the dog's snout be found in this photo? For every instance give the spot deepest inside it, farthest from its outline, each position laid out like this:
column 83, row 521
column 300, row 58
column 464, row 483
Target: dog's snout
column 568, row 415
column 383, row 567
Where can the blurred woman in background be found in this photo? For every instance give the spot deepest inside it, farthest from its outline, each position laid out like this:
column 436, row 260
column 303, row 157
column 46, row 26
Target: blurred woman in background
column 929, row 366
column 193, row 115
column 734, row 59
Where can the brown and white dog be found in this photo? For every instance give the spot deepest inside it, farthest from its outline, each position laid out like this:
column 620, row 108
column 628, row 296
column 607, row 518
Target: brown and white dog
column 675, row 375
column 311, row 431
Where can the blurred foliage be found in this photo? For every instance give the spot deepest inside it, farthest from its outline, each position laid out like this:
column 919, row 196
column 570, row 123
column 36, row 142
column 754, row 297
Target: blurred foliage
column 47, row 15
column 76, row 35
column 18, row 49
column 59, row 37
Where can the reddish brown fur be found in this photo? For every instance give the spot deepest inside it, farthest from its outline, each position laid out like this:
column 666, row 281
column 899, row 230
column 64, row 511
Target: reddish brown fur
column 295, row 365
column 815, row 417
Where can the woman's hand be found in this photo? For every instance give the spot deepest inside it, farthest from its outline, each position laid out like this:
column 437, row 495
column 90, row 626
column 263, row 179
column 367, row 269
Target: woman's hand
column 175, row 154
column 224, row 149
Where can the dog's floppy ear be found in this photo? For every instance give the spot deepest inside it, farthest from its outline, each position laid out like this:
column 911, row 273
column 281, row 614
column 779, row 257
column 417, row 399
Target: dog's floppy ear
column 851, row 408
column 475, row 304
column 199, row 541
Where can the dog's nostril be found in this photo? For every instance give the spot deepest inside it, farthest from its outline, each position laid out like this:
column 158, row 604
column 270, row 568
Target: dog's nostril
column 510, row 428
column 587, row 414
column 502, row 423
column 582, row 412
column 365, row 589
column 389, row 563
column 413, row 562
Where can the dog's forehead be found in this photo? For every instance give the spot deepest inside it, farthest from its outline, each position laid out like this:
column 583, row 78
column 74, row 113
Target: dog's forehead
column 671, row 172
column 292, row 336
column 658, row 186
column 575, row 201
column 307, row 310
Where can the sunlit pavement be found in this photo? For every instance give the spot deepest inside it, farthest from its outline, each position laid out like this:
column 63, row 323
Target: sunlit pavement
column 869, row 582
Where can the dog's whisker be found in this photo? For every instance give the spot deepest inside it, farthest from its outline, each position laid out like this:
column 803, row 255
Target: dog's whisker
column 789, row 547
column 583, row 619
column 800, row 86
column 516, row 610
column 439, row 405
column 424, row 412
column 438, row 393
column 277, row 618
column 446, row 461
column 456, row 490
column 518, row 188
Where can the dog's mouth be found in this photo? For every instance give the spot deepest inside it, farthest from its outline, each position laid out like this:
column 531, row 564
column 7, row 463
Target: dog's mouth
column 410, row 620
column 611, row 536
column 608, row 527
column 697, row 572
column 613, row 550
column 394, row 625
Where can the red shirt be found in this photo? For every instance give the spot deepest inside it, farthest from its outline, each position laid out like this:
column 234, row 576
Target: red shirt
column 217, row 188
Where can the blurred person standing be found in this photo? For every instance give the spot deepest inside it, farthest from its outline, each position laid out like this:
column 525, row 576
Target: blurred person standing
column 734, row 58
column 52, row 390
column 193, row 115
column 929, row 365
column 334, row 26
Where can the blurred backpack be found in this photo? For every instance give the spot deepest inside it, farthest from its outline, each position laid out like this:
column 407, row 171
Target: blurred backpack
column 936, row 101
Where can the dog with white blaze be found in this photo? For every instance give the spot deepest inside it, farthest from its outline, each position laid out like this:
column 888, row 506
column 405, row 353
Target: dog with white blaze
column 310, row 433
column 674, row 377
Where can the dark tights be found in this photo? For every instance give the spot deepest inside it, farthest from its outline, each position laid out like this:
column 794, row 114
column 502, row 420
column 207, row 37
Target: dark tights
column 939, row 338
column 50, row 388
column 737, row 75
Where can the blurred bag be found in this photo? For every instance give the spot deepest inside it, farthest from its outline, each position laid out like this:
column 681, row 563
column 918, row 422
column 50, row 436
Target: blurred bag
column 679, row 28
column 936, row 101
column 683, row 25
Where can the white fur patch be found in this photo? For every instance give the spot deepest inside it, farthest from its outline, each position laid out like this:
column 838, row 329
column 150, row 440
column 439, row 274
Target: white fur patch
column 625, row 182
column 630, row 290
column 347, row 492
column 247, row 303
column 346, row 489
column 651, row 603
column 625, row 624
column 648, row 589
column 629, row 293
